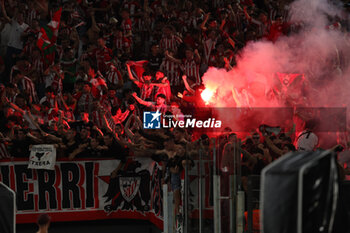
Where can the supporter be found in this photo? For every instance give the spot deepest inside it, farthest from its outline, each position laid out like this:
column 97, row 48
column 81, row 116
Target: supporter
column 49, row 97
column 85, row 103
column 17, row 31
column 155, row 58
column 190, row 64
column 163, row 89
column 113, row 149
column 230, row 150
column 69, row 142
column 83, row 122
column 169, row 40
column 26, row 86
column 53, row 77
column 43, row 223
column 84, row 135
column 20, row 143
column 84, row 98
column 94, row 149
column 121, row 44
column 69, row 63
column 147, row 88
column 175, row 154
column 158, row 106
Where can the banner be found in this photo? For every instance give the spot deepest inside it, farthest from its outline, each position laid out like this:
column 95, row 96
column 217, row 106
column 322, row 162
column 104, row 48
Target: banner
column 42, row 157
column 83, row 190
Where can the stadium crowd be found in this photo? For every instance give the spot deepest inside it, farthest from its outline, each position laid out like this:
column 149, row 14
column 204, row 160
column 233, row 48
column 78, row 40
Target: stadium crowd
column 115, row 59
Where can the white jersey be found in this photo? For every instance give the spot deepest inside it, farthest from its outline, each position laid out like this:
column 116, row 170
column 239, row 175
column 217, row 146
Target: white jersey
column 16, row 33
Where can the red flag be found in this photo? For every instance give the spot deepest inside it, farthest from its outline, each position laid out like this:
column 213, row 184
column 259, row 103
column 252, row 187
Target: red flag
column 137, row 68
column 47, row 37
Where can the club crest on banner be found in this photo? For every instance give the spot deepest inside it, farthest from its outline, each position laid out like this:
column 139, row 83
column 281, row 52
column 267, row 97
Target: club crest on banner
column 130, row 190
column 129, row 186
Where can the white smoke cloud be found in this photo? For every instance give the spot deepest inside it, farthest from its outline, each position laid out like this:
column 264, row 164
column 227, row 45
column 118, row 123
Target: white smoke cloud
column 320, row 53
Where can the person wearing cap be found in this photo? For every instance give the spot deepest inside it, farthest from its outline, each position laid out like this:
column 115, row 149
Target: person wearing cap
column 43, row 223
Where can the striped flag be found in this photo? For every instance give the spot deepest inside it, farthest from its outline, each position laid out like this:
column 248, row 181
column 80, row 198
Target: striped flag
column 47, row 37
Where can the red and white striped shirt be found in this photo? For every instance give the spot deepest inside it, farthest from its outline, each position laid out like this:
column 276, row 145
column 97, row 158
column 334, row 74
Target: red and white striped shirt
column 164, row 90
column 54, row 81
column 52, row 101
column 171, row 70
column 84, row 102
column 209, row 46
column 122, row 43
column 29, row 88
column 98, row 84
column 103, row 57
column 147, row 91
column 126, row 26
column 15, row 67
column 132, row 6
column 4, row 154
column 32, row 14
column 97, row 119
column 191, row 69
column 121, row 116
column 114, row 76
column 38, row 65
column 28, row 49
column 170, row 43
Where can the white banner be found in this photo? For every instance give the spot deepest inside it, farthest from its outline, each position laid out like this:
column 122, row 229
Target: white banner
column 42, row 157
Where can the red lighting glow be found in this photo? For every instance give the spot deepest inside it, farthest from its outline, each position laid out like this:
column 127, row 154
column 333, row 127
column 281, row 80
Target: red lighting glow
column 206, row 95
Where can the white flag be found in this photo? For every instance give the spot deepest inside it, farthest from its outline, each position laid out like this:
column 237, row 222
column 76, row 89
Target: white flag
column 42, row 157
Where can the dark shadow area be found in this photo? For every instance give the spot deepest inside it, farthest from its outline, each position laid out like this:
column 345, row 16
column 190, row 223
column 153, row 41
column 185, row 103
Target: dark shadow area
column 105, row 226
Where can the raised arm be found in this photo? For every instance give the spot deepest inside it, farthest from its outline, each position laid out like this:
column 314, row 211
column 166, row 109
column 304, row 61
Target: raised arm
column 160, row 84
column 127, row 130
column 3, row 9
column 131, row 77
column 171, row 58
column 249, row 18
column 93, row 21
column 202, row 26
column 187, row 86
column 141, row 101
column 272, row 146
column 197, row 57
